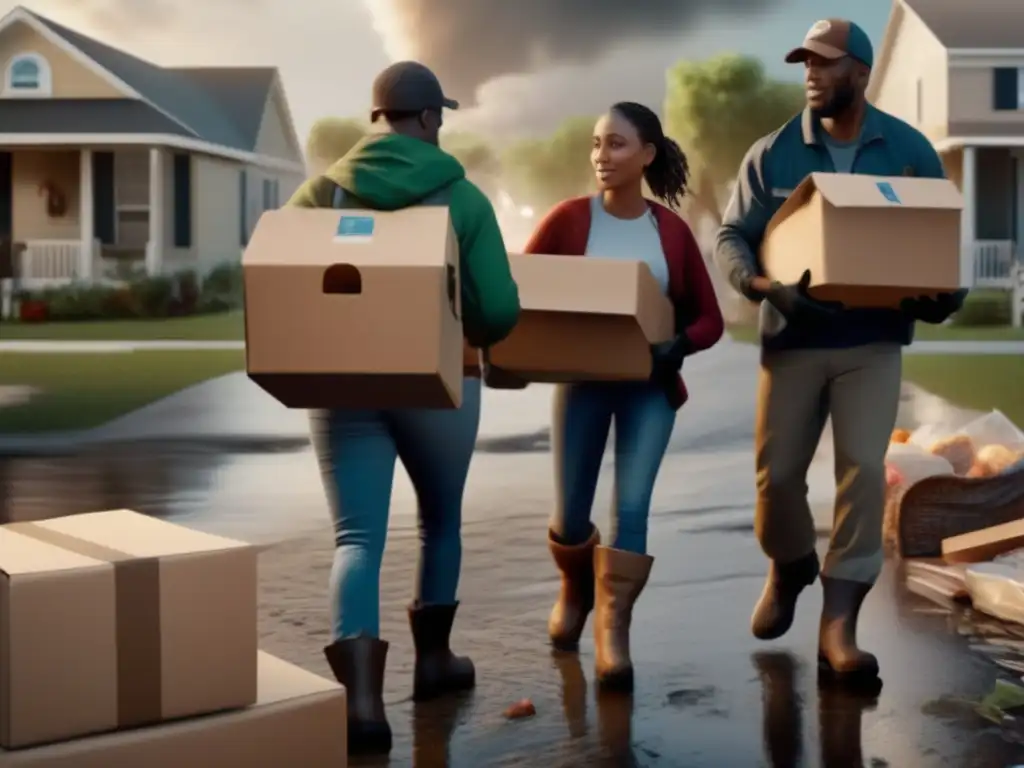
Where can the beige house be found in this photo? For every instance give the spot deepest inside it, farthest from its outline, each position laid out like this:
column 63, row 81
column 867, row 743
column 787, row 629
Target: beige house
column 955, row 70
column 109, row 161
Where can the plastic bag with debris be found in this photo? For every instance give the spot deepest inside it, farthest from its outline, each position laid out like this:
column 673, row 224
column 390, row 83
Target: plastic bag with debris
column 907, row 463
column 985, row 447
column 997, row 589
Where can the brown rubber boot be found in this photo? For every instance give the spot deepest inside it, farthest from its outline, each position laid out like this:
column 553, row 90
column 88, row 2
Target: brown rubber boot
column 358, row 664
column 438, row 671
column 839, row 658
column 776, row 608
column 576, row 596
column 620, row 577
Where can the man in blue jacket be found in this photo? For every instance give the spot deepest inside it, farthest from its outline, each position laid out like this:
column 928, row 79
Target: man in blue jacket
column 820, row 361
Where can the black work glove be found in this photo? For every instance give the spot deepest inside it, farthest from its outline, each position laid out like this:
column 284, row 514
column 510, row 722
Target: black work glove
column 668, row 356
column 934, row 310
column 498, row 378
column 794, row 303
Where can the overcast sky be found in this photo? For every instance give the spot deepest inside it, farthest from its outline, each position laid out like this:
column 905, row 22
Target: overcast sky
column 329, row 52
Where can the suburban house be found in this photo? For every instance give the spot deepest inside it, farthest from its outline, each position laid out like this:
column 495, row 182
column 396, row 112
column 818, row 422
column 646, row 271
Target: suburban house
column 109, row 162
column 955, row 70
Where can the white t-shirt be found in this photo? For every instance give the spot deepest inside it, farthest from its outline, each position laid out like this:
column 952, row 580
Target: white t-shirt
column 632, row 239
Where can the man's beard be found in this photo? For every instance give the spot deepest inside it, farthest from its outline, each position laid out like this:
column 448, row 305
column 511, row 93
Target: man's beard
column 842, row 99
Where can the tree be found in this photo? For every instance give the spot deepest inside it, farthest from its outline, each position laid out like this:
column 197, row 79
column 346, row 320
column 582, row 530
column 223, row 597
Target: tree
column 541, row 172
column 716, row 109
column 475, row 154
column 331, row 138
column 478, row 157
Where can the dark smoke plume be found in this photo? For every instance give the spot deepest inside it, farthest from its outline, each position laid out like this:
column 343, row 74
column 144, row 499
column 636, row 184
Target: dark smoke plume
column 468, row 42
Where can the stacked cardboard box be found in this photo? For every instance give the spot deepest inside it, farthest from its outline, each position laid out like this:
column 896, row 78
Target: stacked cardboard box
column 129, row 641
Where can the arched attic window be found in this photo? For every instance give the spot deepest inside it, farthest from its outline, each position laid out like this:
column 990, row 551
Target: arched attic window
column 28, row 76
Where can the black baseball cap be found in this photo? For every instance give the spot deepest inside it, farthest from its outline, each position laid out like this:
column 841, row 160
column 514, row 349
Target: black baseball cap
column 408, row 86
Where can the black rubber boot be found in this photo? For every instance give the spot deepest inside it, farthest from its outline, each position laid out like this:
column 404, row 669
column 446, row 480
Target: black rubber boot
column 774, row 612
column 358, row 664
column 438, row 671
column 839, row 658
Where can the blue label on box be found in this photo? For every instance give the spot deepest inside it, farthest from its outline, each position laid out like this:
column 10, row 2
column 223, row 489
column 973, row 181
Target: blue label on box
column 888, row 192
column 355, row 226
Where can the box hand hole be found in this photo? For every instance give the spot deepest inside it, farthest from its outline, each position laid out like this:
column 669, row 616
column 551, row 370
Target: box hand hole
column 453, row 287
column 342, row 279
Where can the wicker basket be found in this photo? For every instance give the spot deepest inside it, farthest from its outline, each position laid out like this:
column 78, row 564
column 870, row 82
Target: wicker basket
column 920, row 516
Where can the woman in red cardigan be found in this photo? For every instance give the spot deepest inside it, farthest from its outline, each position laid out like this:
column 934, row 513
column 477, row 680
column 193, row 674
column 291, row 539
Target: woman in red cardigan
column 620, row 223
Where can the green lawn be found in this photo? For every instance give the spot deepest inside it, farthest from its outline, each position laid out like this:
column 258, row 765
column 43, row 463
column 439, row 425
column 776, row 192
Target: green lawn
column 79, row 391
column 924, row 332
column 981, row 382
column 223, row 326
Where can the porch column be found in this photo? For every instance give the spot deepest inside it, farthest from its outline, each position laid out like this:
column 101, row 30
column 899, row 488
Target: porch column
column 86, row 222
column 157, row 238
column 969, row 190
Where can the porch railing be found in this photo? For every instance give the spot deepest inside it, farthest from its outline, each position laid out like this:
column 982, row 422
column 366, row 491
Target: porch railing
column 994, row 263
column 52, row 263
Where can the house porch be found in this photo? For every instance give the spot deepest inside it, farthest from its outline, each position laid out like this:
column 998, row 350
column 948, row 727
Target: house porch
column 87, row 214
column 991, row 179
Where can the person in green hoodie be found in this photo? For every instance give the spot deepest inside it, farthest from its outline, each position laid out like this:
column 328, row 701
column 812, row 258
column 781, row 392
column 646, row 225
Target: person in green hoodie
column 357, row 449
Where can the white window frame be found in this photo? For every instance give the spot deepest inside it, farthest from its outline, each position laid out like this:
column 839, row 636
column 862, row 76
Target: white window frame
column 44, row 86
column 1020, row 88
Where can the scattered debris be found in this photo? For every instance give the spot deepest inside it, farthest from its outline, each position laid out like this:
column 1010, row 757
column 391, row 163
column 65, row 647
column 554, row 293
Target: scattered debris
column 521, row 709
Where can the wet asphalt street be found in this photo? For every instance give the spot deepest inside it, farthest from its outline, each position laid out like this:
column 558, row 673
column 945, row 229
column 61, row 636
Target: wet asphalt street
column 707, row 695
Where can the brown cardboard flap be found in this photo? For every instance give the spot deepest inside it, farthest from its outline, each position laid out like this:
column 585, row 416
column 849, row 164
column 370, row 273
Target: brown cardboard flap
column 575, row 284
column 797, row 199
column 852, row 190
column 317, row 230
column 984, row 545
column 137, row 600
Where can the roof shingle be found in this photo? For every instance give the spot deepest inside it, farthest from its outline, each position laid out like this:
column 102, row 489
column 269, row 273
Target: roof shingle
column 84, row 116
column 221, row 105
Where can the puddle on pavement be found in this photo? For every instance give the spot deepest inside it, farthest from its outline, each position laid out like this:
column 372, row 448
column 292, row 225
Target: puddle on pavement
column 723, row 709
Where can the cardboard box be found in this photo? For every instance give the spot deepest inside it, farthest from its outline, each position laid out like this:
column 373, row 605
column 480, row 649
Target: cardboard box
column 114, row 619
column 584, row 319
column 297, row 720
column 984, row 545
column 355, row 309
column 869, row 241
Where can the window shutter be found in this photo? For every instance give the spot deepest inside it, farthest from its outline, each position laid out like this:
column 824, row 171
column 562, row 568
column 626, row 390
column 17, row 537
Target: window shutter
column 243, row 205
column 182, row 201
column 103, row 196
column 1004, row 89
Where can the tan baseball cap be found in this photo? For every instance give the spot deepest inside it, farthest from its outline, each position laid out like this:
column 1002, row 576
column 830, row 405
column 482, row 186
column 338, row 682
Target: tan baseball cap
column 834, row 39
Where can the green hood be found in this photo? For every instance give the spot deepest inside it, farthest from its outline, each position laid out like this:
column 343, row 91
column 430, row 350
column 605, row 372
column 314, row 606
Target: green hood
column 388, row 171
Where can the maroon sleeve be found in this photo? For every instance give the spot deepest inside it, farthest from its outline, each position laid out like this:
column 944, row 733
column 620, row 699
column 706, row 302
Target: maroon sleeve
column 704, row 322
column 557, row 231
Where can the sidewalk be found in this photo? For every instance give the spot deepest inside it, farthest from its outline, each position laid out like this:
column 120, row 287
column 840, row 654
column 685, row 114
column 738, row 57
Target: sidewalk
column 111, row 347
column 966, row 348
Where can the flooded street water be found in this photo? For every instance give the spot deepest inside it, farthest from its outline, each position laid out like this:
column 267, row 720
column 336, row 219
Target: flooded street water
column 707, row 695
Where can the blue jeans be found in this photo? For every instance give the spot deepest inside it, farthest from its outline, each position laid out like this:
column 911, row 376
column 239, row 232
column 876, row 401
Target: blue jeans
column 357, row 451
column 583, row 414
